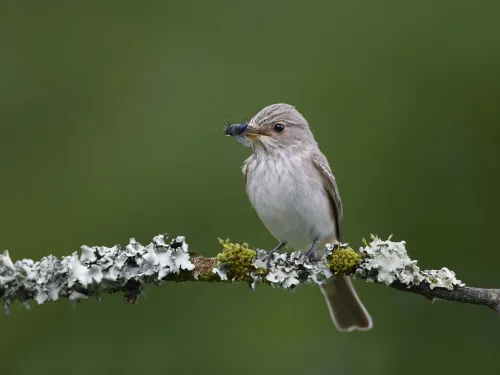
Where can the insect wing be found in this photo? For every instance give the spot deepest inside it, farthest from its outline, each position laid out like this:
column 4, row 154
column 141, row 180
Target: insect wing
column 243, row 139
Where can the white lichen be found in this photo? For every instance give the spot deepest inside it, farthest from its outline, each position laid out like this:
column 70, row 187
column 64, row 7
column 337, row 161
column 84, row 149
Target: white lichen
column 443, row 278
column 288, row 270
column 388, row 261
column 76, row 296
column 96, row 270
column 256, row 279
column 220, row 271
column 7, row 269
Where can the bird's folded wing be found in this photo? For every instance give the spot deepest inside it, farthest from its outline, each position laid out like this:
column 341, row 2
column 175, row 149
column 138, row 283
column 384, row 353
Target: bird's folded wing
column 321, row 163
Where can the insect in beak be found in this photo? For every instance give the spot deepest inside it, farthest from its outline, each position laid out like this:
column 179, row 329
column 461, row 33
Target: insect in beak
column 238, row 131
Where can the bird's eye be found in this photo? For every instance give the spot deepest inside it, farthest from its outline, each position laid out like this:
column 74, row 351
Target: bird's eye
column 278, row 128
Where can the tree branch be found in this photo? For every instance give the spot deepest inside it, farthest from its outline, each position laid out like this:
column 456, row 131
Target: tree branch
column 465, row 294
column 98, row 270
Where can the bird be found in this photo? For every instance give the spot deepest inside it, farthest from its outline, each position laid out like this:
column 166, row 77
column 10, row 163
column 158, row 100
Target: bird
column 290, row 185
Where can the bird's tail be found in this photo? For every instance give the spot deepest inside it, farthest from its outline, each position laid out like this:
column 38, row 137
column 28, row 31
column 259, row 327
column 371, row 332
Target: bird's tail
column 346, row 309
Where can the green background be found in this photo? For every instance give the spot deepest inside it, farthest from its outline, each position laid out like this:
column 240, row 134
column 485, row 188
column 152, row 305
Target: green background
column 111, row 123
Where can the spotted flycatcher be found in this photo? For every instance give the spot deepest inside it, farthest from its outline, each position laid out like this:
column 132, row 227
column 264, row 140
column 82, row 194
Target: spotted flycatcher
column 294, row 192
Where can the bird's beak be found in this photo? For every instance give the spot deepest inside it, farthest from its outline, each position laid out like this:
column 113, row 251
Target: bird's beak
column 251, row 132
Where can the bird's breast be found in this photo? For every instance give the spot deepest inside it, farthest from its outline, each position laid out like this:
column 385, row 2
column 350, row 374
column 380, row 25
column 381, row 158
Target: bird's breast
column 290, row 199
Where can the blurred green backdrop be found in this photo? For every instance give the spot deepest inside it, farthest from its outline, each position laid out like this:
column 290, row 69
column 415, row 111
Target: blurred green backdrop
column 111, row 123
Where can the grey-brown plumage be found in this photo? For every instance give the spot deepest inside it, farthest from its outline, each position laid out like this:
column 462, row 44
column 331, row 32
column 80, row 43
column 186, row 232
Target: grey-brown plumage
column 289, row 183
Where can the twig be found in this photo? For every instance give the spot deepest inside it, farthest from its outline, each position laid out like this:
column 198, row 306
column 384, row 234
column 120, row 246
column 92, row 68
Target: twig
column 99, row 270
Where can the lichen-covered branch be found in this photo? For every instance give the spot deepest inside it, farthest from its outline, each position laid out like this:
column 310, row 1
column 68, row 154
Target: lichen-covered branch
column 98, row 270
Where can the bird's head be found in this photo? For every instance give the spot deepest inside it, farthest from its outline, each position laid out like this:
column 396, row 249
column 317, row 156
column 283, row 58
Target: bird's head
column 276, row 126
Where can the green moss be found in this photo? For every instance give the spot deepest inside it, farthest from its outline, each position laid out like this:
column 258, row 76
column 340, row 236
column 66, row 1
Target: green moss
column 344, row 261
column 237, row 259
column 208, row 275
column 262, row 272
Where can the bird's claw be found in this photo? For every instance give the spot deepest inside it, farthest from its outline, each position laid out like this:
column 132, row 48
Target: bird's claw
column 310, row 255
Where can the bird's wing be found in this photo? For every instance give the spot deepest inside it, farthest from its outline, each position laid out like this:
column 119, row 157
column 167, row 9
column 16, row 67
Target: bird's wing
column 245, row 172
column 321, row 164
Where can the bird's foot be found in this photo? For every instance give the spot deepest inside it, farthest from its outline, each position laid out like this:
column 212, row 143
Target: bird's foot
column 310, row 255
column 274, row 251
column 277, row 249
